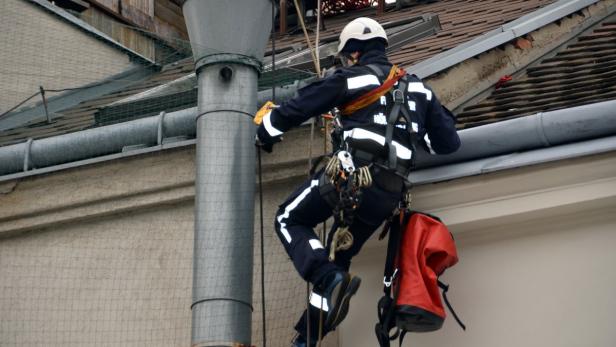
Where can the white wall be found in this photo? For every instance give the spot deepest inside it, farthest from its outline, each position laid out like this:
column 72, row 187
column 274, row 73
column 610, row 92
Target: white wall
column 537, row 262
column 554, row 287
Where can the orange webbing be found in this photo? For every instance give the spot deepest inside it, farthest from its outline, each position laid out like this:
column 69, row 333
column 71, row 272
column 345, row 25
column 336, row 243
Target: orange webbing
column 372, row 96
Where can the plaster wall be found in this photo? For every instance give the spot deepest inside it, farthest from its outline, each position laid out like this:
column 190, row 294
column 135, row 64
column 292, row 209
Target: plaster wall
column 40, row 49
column 102, row 254
column 536, row 260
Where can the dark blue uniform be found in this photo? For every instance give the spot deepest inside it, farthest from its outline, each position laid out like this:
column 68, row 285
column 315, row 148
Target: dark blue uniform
column 435, row 130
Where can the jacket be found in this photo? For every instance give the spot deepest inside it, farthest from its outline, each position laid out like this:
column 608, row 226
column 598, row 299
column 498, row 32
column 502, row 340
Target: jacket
column 433, row 123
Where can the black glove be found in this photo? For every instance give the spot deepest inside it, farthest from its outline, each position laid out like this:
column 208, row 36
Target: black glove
column 265, row 141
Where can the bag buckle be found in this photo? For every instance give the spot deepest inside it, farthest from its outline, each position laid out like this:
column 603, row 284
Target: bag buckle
column 391, row 279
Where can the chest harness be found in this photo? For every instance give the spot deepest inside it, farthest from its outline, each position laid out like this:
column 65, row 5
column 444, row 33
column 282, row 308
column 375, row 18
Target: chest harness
column 341, row 183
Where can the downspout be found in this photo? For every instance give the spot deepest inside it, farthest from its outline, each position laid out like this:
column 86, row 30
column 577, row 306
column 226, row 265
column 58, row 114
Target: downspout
column 228, row 40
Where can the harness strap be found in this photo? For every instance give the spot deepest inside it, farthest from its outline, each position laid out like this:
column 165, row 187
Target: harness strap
column 375, row 94
column 392, row 118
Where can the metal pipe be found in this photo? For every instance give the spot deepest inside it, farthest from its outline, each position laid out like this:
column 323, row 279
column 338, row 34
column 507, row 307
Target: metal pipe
column 96, row 142
column 223, row 255
column 228, row 54
column 521, row 134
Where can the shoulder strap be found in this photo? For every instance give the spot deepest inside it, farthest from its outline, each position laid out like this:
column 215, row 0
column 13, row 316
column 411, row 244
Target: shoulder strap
column 377, row 71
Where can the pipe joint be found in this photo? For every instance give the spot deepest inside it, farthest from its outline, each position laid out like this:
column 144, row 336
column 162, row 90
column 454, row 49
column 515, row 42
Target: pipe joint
column 228, row 58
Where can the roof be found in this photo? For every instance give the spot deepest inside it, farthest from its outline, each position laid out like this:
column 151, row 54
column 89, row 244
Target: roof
column 581, row 73
column 460, row 20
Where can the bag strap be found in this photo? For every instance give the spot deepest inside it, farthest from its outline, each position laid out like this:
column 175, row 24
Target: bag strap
column 445, row 288
column 393, row 246
column 387, row 304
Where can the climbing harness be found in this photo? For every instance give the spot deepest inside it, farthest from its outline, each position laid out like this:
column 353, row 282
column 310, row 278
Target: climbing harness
column 340, row 186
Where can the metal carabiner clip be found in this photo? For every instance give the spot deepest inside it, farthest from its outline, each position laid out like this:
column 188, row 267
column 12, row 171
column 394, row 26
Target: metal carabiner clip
column 391, row 280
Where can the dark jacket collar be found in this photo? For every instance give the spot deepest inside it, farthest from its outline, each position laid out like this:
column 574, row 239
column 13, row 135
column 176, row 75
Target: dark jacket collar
column 374, row 57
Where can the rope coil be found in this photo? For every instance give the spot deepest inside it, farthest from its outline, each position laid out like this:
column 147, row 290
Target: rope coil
column 341, row 241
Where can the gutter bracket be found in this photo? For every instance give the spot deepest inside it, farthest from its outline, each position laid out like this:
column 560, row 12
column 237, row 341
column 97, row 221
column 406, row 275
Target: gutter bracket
column 541, row 130
column 27, row 154
column 161, row 128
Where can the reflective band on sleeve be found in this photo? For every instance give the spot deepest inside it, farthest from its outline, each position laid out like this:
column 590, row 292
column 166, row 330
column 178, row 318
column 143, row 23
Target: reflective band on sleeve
column 315, row 244
column 362, row 81
column 318, row 301
column 363, row 134
column 267, row 122
column 418, row 87
column 415, row 127
column 427, row 140
column 290, row 207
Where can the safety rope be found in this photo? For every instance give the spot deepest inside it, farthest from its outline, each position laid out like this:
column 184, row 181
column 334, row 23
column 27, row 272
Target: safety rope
column 260, row 171
column 300, row 15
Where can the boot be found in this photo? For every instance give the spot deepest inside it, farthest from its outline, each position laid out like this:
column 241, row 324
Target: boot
column 300, row 341
column 335, row 292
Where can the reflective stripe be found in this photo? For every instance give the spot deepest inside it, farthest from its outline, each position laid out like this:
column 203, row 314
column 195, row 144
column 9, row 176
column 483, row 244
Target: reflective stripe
column 267, row 122
column 317, row 301
column 427, row 140
column 362, row 81
column 363, row 134
column 291, row 206
column 380, row 119
column 412, row 105
column 415, row 127
column 418, row 87
column 315, row 244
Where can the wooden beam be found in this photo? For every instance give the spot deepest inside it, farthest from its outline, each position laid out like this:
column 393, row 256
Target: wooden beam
column 283, row 16
column 380, row 8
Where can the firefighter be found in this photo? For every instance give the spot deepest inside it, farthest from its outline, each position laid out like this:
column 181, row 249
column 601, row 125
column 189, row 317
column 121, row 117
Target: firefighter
column 361, row 138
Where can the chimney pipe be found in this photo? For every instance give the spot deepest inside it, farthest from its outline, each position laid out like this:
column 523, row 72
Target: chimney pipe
column 228, row 40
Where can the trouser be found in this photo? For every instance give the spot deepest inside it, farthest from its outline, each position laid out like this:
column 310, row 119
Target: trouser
column 306, row 208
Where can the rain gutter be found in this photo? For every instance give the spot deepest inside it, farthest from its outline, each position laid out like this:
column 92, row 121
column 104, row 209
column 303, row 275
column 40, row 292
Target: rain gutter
column 539, row 131
column 514, row 160
column 90, row 30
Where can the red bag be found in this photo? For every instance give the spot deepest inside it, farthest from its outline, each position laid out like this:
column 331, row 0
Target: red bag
column 420, row 248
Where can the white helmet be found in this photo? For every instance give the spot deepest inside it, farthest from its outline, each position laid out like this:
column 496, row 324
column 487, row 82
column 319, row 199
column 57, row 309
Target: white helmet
column 361, row 29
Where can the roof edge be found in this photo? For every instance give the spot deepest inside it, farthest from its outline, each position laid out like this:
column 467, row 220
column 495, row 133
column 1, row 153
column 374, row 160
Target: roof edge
column 90, row 29
column 498, row 36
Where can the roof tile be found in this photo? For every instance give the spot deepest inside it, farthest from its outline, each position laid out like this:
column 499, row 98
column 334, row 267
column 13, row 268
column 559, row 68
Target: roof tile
column 582, row 73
